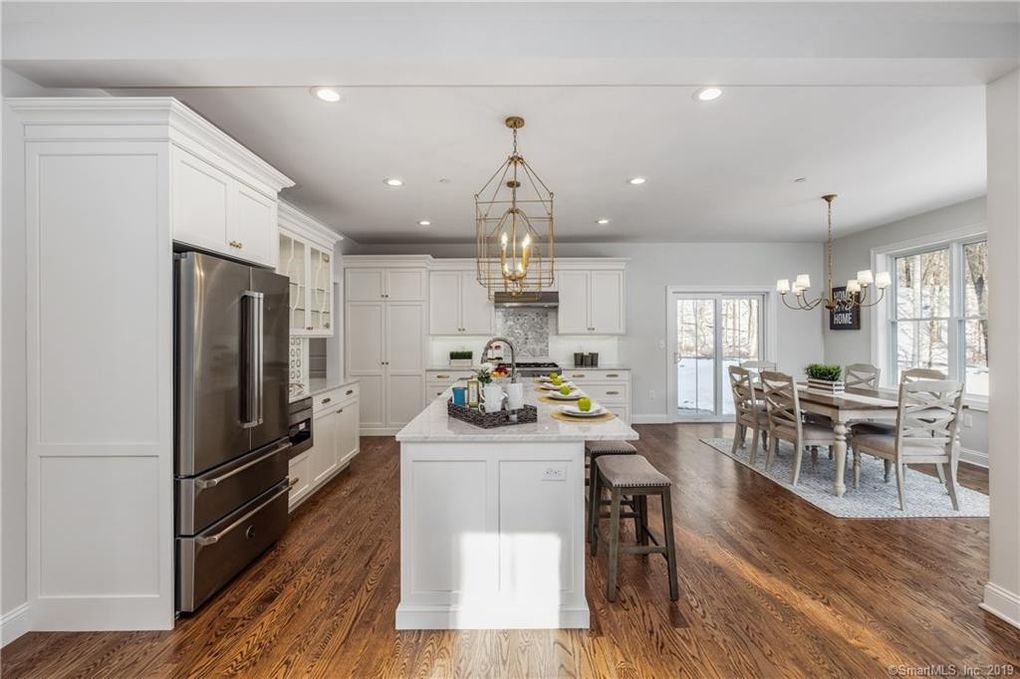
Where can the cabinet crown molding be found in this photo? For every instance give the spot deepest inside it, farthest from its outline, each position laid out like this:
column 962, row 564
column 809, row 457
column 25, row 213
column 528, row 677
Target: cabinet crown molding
column 140, row 119
column 463, row 263
column 303, row 224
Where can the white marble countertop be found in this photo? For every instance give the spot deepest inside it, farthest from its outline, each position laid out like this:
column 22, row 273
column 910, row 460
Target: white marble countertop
column 319, row 385
column 434, row 424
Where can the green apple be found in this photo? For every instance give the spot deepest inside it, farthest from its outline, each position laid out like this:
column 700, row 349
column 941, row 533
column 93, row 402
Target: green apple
column 584, row 404
column 556, row 379
column 565, row 390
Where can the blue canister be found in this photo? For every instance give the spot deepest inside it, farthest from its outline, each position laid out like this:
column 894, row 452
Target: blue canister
column 460, row 396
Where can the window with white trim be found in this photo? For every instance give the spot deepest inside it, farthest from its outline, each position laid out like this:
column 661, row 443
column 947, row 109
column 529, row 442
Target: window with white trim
column 939, row 312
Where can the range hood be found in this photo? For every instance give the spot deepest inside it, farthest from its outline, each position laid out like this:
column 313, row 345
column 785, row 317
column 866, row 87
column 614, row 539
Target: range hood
column 544, row 300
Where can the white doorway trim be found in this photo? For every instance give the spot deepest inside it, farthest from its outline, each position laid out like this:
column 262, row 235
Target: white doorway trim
column 769, row 320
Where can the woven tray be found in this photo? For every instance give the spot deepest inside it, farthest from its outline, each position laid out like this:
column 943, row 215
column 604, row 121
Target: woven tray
column 489, row 420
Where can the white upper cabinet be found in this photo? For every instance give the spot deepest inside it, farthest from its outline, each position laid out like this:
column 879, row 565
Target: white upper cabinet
column 394, row 285
column 306, row 258
column 458, row 305
column 215, row 211
column 592, row 302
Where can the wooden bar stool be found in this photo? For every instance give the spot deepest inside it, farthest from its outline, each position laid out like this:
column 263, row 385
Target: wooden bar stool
column 634, row 476
column 595, row 449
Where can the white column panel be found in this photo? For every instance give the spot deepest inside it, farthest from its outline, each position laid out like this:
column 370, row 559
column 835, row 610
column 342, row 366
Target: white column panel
column 100, row 442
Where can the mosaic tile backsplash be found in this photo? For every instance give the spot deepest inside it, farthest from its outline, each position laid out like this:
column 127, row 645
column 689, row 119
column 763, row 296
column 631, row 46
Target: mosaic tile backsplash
column 298, row 361
column 528, row 329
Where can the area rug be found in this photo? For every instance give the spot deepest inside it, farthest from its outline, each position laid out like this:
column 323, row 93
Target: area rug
column 926, row 497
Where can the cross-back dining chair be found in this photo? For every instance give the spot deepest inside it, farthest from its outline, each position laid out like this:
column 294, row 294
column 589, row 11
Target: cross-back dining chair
column 750, row 412
column 786, row 422
column 861, row 376
column 927, row 432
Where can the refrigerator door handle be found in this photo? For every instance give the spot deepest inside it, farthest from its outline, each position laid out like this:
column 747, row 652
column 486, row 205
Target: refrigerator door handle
column 251, row 349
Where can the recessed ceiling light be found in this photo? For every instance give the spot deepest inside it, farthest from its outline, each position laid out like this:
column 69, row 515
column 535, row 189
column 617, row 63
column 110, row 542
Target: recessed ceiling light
column 636, row 180
column 393, row 181
column 602, row 221
column 327, row 94
column 707, row 93
column 424, row 222
column 800, row 180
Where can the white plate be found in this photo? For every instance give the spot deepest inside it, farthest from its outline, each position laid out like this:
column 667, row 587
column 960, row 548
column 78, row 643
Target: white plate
column 572, row 396
column 555, row 387
column 573, row 411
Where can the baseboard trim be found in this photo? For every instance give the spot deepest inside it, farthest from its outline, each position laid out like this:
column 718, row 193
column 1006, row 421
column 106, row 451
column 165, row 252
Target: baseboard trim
column 1002, row 603
column 379, row 431
column 974, row 457
column 450, row 617
column 651, row 418
column 14, row 623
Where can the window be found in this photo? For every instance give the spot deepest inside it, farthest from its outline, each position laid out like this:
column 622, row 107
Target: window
column 940, row 313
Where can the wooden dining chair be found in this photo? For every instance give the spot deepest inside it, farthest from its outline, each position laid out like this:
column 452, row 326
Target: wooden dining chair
column 750, row 412
column 861, row 376
column 756, row 367
column 786, row 422
column 927, row 432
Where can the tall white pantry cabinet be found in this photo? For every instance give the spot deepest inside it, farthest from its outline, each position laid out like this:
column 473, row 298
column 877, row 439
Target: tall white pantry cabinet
column 110, row 183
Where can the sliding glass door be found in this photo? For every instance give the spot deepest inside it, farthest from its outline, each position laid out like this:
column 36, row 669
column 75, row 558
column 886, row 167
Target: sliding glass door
column 712, row 331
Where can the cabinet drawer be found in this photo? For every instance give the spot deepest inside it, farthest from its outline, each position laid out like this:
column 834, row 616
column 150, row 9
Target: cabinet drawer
column 334, row 397
column 434, row 391
column 447, row 377
column 596, row 375
column 608, row 393
column 300, row 475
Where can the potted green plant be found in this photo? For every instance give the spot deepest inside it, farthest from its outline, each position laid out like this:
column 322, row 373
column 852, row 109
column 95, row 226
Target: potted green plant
column 824, row 377
column 461, row 359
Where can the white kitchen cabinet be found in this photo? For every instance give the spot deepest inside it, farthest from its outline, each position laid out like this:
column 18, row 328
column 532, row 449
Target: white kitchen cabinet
column 592, row 302
column 458, row 305
column 610, row 386
column 113, row 182
column 300, row 475
column 306, row 258
column 385, row 343
column 215, row 211
column 397, row 285
column 335, row 438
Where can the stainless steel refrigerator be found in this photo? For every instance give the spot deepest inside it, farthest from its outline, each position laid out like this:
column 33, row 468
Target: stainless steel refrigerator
column 231, row 457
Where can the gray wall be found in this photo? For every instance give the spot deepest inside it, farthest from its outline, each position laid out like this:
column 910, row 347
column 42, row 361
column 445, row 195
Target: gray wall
column 853, row 253
column 653, row 267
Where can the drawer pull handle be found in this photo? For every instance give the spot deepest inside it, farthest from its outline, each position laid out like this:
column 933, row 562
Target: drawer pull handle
column 442, row 377
column 217, row 480
column 578, row 375
column 293, row 482
column 349, row 392
column 612, row 393
column 249, row 532
column 339, row 411
column 326, row 400
column 213, row 539
column 612, row 375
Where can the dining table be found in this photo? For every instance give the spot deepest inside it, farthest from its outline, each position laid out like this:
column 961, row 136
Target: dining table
column 850, row 406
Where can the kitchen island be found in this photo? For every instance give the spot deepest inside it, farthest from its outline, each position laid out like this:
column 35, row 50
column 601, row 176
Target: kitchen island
column 492, row 520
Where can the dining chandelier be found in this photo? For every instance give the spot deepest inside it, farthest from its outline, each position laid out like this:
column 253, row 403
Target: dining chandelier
column 856, row 288
column 515, row 248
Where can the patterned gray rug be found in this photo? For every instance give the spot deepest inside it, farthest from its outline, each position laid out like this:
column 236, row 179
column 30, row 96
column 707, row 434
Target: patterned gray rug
column 875, row 499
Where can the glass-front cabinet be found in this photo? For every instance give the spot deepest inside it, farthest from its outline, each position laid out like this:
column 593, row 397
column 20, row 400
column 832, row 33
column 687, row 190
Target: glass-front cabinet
column 310, row 270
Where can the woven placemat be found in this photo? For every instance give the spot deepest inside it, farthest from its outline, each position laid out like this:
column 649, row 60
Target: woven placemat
column 557, row 415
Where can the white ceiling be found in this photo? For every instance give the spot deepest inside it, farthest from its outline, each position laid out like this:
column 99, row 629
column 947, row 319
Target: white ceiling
column 722, row 170
column 879, row 102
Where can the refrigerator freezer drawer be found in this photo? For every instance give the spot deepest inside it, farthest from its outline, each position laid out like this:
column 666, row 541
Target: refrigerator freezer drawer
column 203, row 500
column 209, row 560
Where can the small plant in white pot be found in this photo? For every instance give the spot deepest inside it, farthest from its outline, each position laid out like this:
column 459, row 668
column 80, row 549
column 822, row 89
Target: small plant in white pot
column 825, row 378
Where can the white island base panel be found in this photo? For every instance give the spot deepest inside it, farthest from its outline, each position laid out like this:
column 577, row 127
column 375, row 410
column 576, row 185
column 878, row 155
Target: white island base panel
column 492, row 535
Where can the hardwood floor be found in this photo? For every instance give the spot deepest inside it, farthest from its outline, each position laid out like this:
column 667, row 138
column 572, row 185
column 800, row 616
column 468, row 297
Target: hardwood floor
column 770, row 586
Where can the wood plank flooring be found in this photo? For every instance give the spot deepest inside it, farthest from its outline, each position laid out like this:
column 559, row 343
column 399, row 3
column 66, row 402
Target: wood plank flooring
column 770, row 587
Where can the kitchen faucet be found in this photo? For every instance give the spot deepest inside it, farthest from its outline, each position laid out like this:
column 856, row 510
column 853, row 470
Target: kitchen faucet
column 513, row 355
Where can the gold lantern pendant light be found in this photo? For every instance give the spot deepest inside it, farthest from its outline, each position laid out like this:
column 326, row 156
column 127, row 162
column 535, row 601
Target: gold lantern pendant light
column 514, row 228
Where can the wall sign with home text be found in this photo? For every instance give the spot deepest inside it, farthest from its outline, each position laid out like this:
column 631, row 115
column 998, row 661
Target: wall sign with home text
column 846, row 315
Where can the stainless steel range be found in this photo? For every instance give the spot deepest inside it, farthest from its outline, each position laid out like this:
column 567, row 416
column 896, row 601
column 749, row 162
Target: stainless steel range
column 535, row 368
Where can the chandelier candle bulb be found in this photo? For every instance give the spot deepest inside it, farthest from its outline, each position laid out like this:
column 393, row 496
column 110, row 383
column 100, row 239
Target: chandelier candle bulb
column 865, row 277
